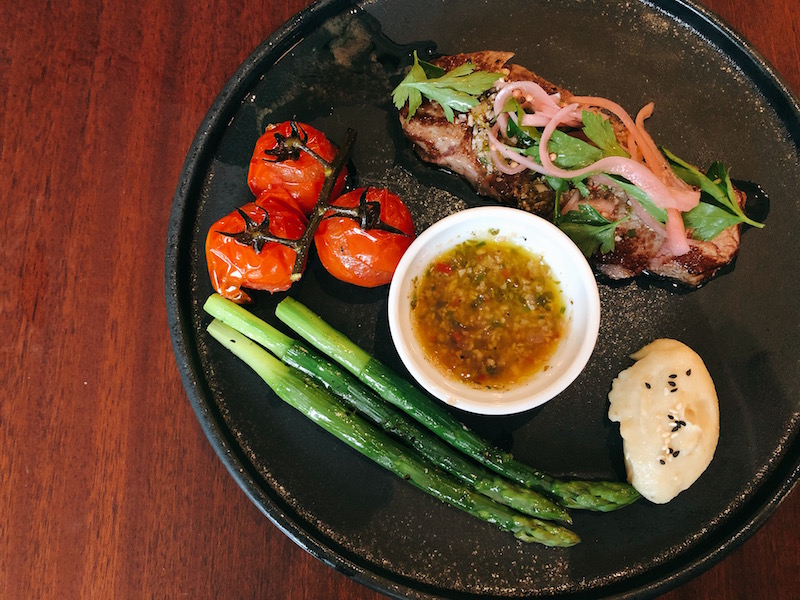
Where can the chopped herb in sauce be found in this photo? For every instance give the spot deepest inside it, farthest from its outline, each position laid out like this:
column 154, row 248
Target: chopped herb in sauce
column 489, row 313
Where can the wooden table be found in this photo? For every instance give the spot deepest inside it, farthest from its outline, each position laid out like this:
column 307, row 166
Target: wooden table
column 109, row 487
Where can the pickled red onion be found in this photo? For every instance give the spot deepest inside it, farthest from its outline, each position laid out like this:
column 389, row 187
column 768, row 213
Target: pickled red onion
column 635, row 172
column 648, row 219
column 676, row 233
column 684, row 196
column 499, row 149
column 544, row 105
column 497, row 159
column 653, row 176
column 645, row 144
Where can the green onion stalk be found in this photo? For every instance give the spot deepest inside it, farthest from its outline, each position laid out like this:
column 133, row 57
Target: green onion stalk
column 318, row 404
column 355, row 394
column 601, row 496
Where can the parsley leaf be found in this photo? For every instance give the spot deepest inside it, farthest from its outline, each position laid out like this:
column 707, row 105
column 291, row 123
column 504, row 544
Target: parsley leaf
column 718, row 208
column 585, row 226
column 599, row 130
column 590, row 230
column 708, row 220
column 570, row 152
column 455, row 90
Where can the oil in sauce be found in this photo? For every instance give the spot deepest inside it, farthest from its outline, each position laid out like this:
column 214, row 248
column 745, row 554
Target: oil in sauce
column 488, row 313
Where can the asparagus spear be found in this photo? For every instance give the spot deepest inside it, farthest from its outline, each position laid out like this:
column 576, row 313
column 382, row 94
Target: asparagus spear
column 322, row 407
column 590, row 495
column 348, row 389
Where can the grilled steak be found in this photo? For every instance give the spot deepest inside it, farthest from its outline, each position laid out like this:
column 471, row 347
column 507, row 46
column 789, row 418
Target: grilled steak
column 463, row 148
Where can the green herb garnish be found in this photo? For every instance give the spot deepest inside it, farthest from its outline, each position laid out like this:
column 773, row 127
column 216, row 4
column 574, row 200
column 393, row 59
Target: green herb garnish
column 718, row 208
column 525, row 136
column 570, row 152
column 599, row 130
column 589, row 229
column 456, row 90
column 659, row 214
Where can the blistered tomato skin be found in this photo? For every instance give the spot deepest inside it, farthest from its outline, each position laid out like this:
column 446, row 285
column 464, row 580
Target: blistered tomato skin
column 264, row 265
column 302, row 178
column 275, row 194
column 367, row 258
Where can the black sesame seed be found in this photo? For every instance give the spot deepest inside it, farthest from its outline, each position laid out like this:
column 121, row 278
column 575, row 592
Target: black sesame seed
column 671, row 383
column 647, row 385
column 676, row 453
column 673, row 376
column 670, row 417
column 681, row 423
column 670, row 450
column 689, row 372
column 662, row 461
column 674, row 429
column 673, row 390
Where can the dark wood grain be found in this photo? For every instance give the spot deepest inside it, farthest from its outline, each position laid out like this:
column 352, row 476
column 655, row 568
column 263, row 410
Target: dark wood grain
column 108, row 487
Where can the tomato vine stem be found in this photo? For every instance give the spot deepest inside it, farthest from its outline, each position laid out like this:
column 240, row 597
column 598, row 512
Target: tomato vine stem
column 303, row 243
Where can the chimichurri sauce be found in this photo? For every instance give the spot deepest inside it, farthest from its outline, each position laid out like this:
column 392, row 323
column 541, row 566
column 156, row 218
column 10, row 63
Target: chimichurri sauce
column 488, row 313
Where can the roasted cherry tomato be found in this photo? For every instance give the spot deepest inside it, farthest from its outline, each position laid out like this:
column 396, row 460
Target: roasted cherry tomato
column 240, row 253
column 272, row 195
column 276, row 164
column 365, row 256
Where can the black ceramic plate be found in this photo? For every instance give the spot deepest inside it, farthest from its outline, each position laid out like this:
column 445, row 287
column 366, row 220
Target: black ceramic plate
column 334, row 66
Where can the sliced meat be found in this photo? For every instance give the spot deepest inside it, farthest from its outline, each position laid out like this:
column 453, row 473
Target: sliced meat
column 463, row 148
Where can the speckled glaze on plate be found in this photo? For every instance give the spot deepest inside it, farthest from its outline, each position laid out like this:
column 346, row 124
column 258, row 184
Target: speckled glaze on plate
column 334, row 66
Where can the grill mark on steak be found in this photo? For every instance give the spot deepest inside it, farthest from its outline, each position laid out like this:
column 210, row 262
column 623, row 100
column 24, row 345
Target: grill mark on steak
column 461, row 147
